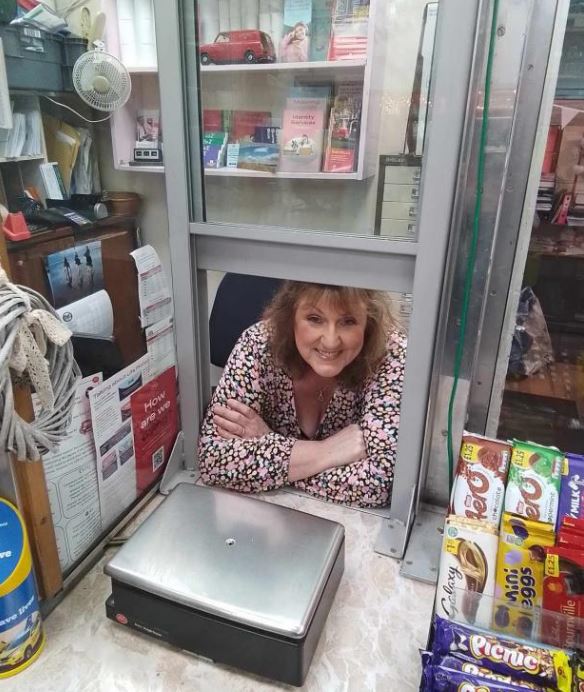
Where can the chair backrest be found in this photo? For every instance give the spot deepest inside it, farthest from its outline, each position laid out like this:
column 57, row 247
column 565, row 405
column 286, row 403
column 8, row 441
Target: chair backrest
column 239, row 303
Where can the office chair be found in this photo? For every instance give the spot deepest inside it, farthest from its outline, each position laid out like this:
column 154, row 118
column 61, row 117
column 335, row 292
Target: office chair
column 239, row 303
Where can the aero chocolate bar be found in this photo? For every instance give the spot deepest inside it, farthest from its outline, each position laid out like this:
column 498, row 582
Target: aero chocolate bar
column 479, row 486
column 533, row 488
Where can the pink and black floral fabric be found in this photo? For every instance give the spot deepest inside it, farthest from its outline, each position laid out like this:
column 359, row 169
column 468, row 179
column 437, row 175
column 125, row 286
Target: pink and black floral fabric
column 258, row 464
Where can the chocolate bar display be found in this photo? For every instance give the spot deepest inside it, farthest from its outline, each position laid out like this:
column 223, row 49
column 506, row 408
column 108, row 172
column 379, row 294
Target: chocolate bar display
column 467, row 571
column 541, row 665
column 479, row 486
column 519, row 582
column 563, row 592
column 572, row 488
column 445, row 680
column 453, row 663
column 533, row 487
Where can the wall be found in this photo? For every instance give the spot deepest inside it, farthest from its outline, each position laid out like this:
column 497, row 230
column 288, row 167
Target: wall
column 154, row 217
column 81, row 19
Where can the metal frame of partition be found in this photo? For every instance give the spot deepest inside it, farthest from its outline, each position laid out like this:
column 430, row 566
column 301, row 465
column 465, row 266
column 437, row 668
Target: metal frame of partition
column 302, row 255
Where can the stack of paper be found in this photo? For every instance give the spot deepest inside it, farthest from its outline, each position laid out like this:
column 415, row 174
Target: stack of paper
column 33, row 143
column 52, row 180
column 25, row 137
column 63, row 143
column 82, row 181
column 16, row 136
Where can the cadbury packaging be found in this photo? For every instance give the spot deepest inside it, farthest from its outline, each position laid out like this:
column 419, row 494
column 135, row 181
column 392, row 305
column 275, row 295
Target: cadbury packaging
column 538, row 664
column 563, row 593
column 454, row 663
column 467, row 571
column 572, row 488
column 446, row 680
column 520, row 568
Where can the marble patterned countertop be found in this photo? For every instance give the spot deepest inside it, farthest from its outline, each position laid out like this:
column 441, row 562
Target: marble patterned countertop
column 377, row 623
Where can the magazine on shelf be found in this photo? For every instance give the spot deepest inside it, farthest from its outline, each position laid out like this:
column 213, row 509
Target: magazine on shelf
column 259, row 157
column 343, row 130
column 295, row 43
column 303, row 126
column 349, row 31
column 322, row 15
column 242, row 124
column 214, row 149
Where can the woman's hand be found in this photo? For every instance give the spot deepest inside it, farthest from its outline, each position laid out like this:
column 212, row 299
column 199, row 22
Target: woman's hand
column 238, row 421
column 345, row 447
column 312, row 457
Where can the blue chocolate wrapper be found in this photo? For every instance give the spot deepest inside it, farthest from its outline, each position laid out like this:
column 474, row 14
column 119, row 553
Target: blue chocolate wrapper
column 540, row 665
column 572, row 488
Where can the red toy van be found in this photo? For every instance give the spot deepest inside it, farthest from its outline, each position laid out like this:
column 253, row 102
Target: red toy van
column 248, row 46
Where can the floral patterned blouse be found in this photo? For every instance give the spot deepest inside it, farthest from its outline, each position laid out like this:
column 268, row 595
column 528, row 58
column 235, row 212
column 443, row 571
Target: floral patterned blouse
column 253, row 465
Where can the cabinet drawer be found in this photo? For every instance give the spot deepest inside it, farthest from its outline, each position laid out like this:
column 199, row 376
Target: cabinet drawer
column 398, row 229
column 399, row 210
column 401, row 193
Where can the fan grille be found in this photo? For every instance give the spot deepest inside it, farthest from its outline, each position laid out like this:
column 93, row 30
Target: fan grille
column 97, row 64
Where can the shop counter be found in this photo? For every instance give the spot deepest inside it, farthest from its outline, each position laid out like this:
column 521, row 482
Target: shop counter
column 377, row 623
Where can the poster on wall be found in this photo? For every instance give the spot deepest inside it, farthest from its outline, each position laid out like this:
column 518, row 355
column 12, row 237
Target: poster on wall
column 153, row 290
column 135, row 424
column 155, row 425
column 112, row 428
column 71, row 475
column 75, row 273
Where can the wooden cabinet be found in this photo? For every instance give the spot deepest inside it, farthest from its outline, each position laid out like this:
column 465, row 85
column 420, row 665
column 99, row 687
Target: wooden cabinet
column 118, row 239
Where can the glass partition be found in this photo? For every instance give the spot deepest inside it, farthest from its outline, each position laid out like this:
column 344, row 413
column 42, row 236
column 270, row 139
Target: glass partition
column 543, row 399
column 313, row 112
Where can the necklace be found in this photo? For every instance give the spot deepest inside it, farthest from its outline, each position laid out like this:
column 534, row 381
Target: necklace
column 323, row 392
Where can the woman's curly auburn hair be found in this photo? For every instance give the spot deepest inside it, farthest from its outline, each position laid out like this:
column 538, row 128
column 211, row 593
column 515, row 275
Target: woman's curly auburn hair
column 281, row 311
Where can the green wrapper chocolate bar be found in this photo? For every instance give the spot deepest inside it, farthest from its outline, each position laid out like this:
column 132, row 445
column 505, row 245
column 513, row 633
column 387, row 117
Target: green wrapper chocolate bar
column 533, row 486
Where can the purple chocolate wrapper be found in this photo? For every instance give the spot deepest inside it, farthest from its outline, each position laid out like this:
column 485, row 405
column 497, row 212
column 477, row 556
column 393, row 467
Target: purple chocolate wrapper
column 541, row 665
column 454, row 663
column 572, row 489
column 447, row 680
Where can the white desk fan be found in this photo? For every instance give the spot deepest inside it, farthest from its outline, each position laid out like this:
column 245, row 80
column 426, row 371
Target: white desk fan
column 101, row 80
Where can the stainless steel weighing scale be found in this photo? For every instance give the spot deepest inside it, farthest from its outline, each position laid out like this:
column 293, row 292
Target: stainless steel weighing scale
column 240, row 581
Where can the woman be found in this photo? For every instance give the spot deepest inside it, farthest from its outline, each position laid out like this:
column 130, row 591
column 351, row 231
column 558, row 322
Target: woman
column 310, row 397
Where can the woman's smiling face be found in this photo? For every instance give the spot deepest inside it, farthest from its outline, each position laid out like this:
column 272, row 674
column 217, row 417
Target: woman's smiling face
column 327, row 336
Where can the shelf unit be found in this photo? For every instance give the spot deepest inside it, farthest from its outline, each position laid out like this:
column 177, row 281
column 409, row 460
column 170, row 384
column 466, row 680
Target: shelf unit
column 145, row 95
column 325, row 66
column 272, row 82
column 20, row 172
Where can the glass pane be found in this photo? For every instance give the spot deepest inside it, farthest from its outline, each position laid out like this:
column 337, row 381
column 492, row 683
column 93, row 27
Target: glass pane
column 544, row 392
column 320, row 360
column 309, row 120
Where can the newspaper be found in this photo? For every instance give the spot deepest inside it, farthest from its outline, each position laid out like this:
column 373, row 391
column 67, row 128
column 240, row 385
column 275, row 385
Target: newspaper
column 153, row 291
column 114, row 443
column 71, row 475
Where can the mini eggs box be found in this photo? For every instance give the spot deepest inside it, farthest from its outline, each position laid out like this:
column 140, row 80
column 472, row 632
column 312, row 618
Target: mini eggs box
column 520, row 571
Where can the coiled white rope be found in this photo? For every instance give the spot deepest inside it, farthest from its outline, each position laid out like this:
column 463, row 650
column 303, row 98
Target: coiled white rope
column 35, row 348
